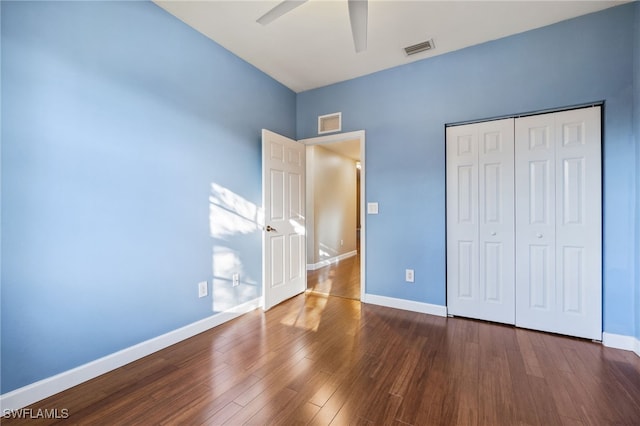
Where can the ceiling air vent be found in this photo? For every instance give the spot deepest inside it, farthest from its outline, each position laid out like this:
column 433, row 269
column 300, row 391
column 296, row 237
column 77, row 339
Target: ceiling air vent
column 420, row 47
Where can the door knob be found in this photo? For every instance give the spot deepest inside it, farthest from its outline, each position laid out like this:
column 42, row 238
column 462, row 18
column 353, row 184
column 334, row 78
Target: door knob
column 493, row 233
column 539, row 235
column 271, row 229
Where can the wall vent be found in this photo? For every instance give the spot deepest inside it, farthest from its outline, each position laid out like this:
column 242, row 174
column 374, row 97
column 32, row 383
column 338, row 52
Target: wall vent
column 330, row 123
column 420, row 47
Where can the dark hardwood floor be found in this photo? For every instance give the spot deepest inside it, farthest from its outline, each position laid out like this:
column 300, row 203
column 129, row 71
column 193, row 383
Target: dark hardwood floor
column 340, row 279
column 329, row 360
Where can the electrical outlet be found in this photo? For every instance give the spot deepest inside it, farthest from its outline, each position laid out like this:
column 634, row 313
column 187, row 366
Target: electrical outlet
column 202, row 289
column 236, row 279
column 341, row 243
column 408, row 275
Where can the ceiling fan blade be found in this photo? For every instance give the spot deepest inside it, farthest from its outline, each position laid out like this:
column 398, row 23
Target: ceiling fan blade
column 282, row 8
column 358, row 15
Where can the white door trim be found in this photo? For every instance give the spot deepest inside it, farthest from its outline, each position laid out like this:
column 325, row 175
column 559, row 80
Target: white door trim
column 341, row 137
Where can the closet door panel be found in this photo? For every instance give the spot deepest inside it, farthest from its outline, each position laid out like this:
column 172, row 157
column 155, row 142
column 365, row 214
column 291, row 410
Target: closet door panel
column 462, row 217
column 496, row 220
column 480, row 264
column 579, row 223
column 558, row 223
column 535, row 221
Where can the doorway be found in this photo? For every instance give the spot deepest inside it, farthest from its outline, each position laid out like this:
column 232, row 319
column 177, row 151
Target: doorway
column 335, row 223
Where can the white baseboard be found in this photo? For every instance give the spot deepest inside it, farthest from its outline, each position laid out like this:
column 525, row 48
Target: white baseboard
column 327, row 262
column 42, row 389
column 618, row 341
column 407, row 305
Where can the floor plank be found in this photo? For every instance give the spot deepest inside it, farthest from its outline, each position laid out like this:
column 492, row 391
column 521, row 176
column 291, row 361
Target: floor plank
column 320, row 359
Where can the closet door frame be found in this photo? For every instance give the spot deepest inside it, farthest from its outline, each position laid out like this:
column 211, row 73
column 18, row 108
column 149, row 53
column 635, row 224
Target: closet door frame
column 571, row 306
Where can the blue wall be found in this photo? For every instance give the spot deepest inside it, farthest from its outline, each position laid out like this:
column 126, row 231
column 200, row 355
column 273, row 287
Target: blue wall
column 123, row 131
column 636, row 104
column 404, row 111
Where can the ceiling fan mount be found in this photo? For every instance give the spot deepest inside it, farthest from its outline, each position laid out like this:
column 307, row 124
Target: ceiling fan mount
column 358, row 16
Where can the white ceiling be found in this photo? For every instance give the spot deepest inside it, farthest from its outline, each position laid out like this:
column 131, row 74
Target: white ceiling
column 312, row 45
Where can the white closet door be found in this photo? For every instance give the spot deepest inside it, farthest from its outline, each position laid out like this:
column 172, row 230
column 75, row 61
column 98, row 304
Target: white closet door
column 480, row 221
column 462, row 220
column 558, row 223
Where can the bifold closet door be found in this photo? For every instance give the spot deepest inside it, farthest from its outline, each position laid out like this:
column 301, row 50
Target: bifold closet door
column 558, row 223
column 480, row 221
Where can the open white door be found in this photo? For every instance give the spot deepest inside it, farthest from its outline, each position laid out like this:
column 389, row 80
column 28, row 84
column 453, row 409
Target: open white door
column 283, row 199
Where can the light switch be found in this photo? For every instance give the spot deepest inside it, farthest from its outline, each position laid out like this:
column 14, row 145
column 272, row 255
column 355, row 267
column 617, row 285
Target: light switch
column 372, row 208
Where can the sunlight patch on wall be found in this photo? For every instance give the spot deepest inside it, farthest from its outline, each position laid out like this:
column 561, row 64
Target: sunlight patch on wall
column 226, row 296
column 230, row 214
